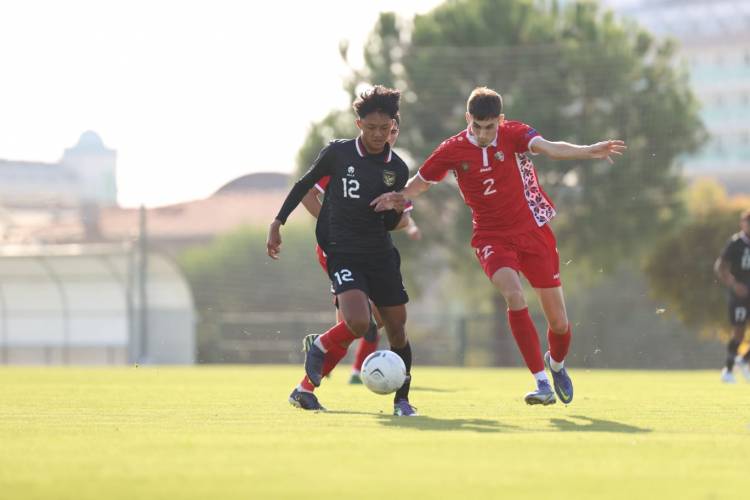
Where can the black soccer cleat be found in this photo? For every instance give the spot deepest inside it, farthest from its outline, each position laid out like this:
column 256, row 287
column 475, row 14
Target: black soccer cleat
column 305, row 400
column 314, row 365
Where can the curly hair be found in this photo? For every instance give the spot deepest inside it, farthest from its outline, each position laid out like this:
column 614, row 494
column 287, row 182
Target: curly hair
column 378, row 99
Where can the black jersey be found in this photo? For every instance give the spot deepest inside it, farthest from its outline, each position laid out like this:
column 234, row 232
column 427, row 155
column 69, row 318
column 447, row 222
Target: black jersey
column 347, row 223
column 737, row 255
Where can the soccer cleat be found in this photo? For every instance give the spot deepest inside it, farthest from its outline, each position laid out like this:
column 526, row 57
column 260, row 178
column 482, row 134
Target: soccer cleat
column 727, row 377
column 402, row 408
column 563, row 384
column 543, row 395
column 308, row 341
column 355, row 379
column 744, row 367
column 305, row 400
column 314, row 364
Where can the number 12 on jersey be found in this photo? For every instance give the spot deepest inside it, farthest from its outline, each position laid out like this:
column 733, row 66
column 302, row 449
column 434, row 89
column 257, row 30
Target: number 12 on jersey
column 351, row 186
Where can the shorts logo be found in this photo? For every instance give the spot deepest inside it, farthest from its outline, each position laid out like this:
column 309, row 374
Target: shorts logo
column 350, row 171
column 464, row 166
column 485, row 251
column 556, row 276
column 500, row 156
column 389, row 177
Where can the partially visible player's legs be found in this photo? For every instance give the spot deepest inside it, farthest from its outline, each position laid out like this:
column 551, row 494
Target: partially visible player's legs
column 330, row 348
column 738, row 313
column 394, row 320
column 366, row 345
column 558, row 339
column 508, row 283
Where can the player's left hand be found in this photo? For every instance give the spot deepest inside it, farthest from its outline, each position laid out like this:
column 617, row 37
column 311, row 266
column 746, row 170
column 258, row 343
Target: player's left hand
column 606, row 149
column 389, row 201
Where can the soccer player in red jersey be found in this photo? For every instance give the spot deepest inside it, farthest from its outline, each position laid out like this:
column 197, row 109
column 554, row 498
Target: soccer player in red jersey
column 510, row 217
column 369, row 343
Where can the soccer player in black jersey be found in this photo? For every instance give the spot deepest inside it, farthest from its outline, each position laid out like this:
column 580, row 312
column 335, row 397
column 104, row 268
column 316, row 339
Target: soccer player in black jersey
column 733, row 270
column 362, row 261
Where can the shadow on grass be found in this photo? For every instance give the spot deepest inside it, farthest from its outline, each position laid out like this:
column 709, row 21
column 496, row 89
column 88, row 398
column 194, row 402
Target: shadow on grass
column 588, row 424
column 424, row 423
column 431, row 389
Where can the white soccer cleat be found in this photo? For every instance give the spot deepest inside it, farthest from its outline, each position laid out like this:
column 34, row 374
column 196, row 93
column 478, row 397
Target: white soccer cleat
column 727, row 377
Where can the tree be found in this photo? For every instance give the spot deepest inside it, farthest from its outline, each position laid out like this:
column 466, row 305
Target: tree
column 680, row 270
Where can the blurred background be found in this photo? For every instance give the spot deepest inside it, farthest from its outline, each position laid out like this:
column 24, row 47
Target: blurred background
column 146, row 146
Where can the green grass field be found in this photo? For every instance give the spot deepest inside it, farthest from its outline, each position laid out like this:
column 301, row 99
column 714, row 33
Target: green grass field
column 228, row 432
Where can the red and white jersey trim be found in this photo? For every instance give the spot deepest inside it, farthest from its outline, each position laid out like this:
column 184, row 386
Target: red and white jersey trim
column 361, row 149
column 541, row 208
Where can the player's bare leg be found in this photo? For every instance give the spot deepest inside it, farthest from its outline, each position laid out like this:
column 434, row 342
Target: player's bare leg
column 558, row 338
column 507, row 281
column 394, row 321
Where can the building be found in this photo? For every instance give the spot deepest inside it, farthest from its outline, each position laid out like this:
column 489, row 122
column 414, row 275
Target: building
column 714, row 38
column 84, row 175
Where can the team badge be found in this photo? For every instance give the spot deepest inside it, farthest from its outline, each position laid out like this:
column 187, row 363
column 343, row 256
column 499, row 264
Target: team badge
column 389, row 177
column 465, row 166
column 350, row 171
column 500, row 156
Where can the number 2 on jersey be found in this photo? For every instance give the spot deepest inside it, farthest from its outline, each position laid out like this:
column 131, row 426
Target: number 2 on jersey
column 489, row 189
column 351, row 186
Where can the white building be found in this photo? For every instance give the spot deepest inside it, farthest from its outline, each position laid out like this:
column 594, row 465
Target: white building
column 714, row 37
column 85, row 175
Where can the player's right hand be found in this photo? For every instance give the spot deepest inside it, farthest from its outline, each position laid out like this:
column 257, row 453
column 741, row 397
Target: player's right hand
column 389, row 201
column 273, row 243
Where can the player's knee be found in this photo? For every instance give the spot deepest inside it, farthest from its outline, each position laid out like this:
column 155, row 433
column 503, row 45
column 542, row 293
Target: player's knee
column 559, row 326
column 358, row 326
column 514, row 299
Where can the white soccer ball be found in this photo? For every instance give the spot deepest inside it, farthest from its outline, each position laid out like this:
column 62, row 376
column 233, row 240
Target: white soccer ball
column 383, row 372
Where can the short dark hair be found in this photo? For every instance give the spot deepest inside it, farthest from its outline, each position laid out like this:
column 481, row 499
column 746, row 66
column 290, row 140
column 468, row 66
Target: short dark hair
column 398, row 119
column 484, row 103
column 378, row 99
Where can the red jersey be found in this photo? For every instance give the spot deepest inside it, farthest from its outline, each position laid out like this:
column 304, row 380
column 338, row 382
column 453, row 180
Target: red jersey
column 499, row 182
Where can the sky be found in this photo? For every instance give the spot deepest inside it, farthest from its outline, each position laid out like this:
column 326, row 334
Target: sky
column 191, row 94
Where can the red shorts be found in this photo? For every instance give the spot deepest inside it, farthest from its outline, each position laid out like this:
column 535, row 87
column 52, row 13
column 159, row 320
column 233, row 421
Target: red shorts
column 533, row 253
column 322, row 258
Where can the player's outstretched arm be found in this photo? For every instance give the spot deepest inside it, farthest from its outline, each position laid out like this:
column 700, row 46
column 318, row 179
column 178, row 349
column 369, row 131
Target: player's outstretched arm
column 397, row 200
column 409, row 226
column 560, row 150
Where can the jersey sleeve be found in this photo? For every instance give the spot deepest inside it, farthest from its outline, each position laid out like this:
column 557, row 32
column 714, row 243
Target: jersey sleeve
column 322, row 184
column 522, row 135
column 436, row 167
column 321, row 167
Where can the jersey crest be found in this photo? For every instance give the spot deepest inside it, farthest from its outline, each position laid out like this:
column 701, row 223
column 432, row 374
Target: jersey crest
column 389, row 178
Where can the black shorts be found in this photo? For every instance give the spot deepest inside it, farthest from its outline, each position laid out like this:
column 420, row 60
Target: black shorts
column 379, row 276
column 739, row 309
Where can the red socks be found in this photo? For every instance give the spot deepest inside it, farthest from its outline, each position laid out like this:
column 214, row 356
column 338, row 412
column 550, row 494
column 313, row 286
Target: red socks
column 338, row 335
column 558, row 344
column 336, row 342
column 527, row 339
column 364, row 349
